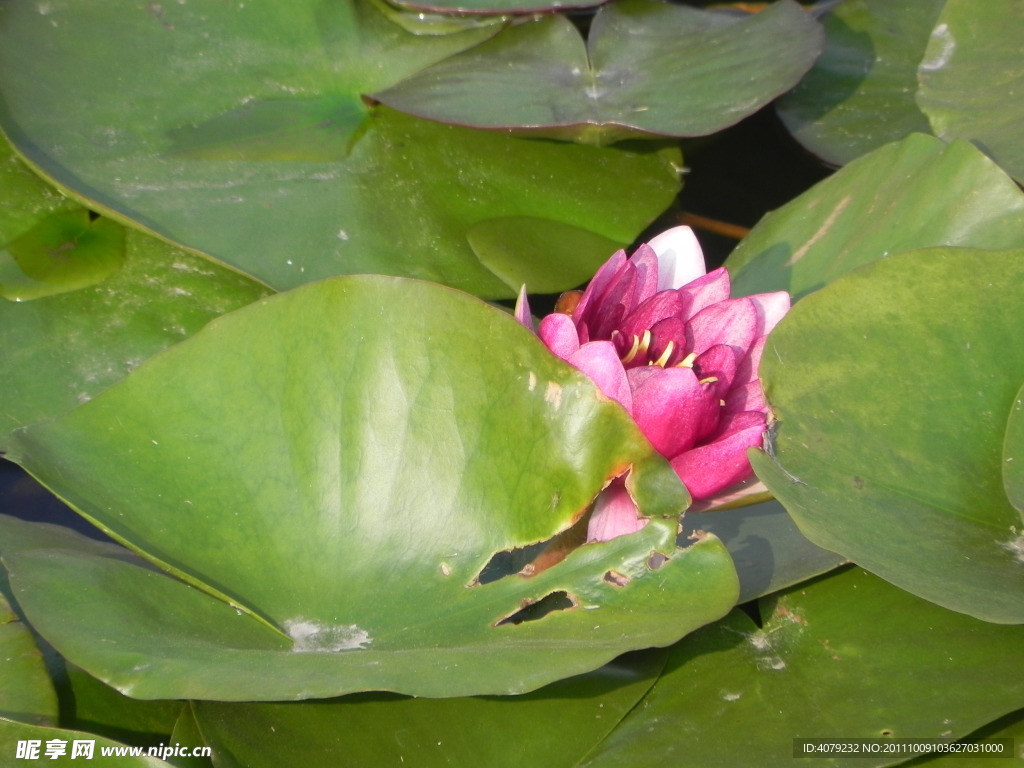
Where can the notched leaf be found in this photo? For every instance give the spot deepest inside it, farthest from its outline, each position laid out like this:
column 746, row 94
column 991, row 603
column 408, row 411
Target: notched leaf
column 533, row 610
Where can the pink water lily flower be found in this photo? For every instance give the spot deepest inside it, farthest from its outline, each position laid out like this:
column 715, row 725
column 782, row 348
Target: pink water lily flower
column 666, row 341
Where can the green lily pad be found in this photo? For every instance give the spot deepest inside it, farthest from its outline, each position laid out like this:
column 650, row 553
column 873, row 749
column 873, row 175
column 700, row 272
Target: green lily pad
column 242, row 134
column 825, row 662
column 378, row 729
column 64, row 252
column 347, row 465
column 915, row 193
column 768, row 549
column 860, row 94
column 26, row 693
column 1009, row 727
column 646, row 68
column 186, row 731
column 95, row 707
column 497, row 242
column 822, row 664
column 893, row 386
column 972, row 77
column 71, row 342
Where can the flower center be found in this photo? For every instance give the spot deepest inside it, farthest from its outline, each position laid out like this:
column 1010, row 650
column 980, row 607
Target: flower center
column 640, row 352
column 640, row 348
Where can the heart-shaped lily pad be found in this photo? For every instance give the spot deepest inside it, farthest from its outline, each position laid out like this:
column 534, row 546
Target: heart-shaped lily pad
column 893, row 387
column 242, row 134
column 351, row 465
column 645, row 68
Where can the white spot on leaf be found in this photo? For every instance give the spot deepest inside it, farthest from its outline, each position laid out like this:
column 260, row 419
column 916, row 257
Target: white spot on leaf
column 945, row 45
column 554, row 394
column 314, row 637
column 1015, row 546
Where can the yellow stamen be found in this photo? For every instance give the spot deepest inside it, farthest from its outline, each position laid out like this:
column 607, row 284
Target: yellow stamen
column 639, row 347
column 632, row 350
column 709, row 380
column 687, row 362
column 660, row 362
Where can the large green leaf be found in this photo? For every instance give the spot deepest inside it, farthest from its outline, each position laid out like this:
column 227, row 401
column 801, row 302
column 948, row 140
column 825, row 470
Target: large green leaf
column 646, row 68
column 241, row 133
column 891, row 67
column 75, row 338
column 550, row 727
column 1009, row 727
column 893, row 387
column 768, row 549
column 342, row 463
column 26, row 693
column 844, row 656
column 91, row 705
column 860, row 94
column 915, row 193
column 972, row 77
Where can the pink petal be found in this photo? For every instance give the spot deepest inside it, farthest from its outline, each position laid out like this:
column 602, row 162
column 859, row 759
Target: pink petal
column 671, row 330
column 602, row 290
column 672, row 408
column 771, row 307
column 746, row 397
column 680, row 259
column 705, row 291
column 523, row 309
column 645, row 262
column 558, row 332
column 712, row 467
column 600, row 362
column 657, row 307
column 615, row 514
column 604, row 313
column 748, row 367
column 720, row 362
column 734, row 322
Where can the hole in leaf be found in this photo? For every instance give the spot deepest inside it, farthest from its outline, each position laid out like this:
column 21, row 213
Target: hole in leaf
column 655, row 560
column 887, row 732
column 538, row 609
column 509, row 562
column 616, row 579
column 534, row 558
